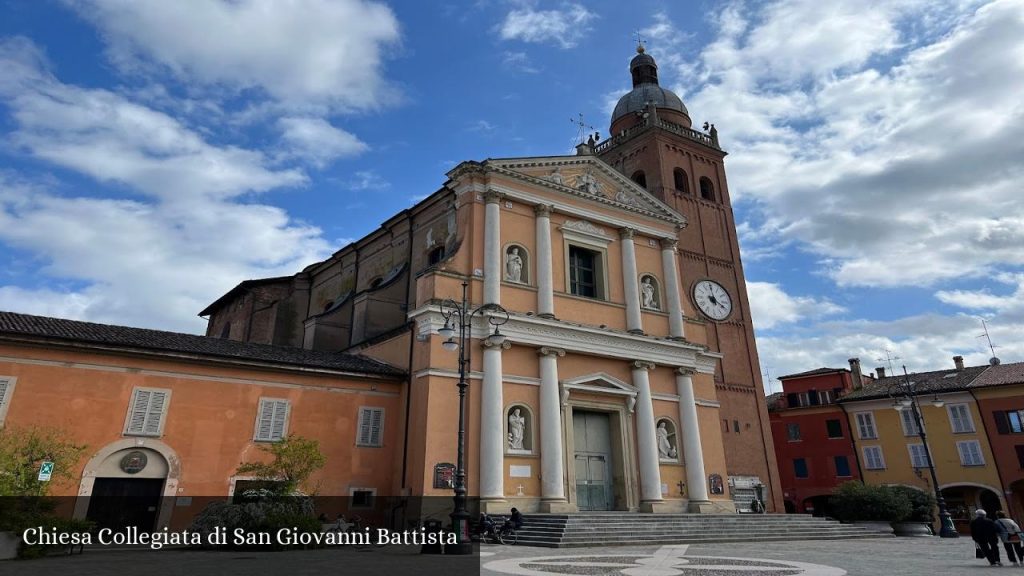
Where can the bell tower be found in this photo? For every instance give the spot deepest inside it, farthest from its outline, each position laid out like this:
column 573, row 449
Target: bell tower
column 653, row 143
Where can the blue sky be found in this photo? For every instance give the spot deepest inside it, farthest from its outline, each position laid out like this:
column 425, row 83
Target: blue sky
column 155, row 154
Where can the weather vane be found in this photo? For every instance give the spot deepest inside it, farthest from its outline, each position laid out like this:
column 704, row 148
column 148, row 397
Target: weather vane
column 640, row 42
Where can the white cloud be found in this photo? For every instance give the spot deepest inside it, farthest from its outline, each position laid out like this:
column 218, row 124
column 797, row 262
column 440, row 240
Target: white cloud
column 175, row 237
column 564, row 27
column 317, row 141
column 770, row 306
column 368, row 180
column 519, row 62
column 882, row 137
column 301, row 53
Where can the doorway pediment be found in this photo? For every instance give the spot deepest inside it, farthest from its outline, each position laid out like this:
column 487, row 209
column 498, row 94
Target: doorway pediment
column 599, row 383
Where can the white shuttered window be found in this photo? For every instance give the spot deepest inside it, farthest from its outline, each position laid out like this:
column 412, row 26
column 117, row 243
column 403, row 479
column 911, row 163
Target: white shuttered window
column 272, row 420
column 918, row 456
column 970, row 453
column 6, row 391
column 960, row 418
column 873, row 459
column 371, row 427
column 866, row 425
column 146, row 412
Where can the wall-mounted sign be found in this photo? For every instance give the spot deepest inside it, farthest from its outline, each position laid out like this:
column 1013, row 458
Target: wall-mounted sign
column 134, row 462
column 444, row 475
column 715, row 484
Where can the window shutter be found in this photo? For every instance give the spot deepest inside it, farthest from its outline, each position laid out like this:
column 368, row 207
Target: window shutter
column 1002, row 423
column 370, row 425
column 965, row 457
column 1020, row 454
column 266, row 420
column 280, row 417
column 137, row 420
column 364, row 426
column 155, row 413
column 4, row 385
column 375, row 427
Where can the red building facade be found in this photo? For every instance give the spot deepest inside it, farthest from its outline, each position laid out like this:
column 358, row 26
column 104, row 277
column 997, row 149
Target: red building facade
column 813, row 443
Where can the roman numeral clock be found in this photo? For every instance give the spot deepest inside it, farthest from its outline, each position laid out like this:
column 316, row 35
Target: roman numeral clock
column 712, row 299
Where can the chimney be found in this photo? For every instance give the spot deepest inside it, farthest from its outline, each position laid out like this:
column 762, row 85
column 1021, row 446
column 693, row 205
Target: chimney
column 959, row 361
column 880, row 371
column 858, row 380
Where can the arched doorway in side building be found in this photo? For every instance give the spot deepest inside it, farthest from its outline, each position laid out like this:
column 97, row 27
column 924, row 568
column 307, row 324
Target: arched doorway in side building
column 1015, row 497
column 963, row 499
column 129, row 484
column 818, row 505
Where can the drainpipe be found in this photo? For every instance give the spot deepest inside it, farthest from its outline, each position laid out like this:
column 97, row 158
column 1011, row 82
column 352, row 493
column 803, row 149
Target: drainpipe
column 853, row 444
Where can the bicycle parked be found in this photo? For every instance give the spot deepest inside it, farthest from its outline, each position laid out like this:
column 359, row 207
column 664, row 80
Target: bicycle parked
column 506, row 534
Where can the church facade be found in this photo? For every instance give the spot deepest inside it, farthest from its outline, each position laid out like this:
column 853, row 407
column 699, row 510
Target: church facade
column 628, row 376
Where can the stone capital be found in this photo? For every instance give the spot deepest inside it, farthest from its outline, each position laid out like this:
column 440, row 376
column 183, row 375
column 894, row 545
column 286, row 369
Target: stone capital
column 641, row 365
column 682, row 371
column 487, row 344
column 549, row 351
column 627, row 233
column 492, row 196
column 669, row 244
column 542, row 210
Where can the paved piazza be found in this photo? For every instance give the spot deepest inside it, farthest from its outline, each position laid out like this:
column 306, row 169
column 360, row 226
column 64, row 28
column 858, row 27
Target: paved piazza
column 873, row 557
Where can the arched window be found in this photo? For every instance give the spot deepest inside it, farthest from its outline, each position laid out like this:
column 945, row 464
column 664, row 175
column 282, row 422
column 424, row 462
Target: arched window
column 681, row 181
column 519, row 431
column 668, row 441
column 435, row 256
column 640, row 178
column 517, row 264
column 707, row 189
column 650, row 292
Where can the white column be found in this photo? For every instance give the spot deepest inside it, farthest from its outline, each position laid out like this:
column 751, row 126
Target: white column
column 670, row 271
column 552, row 473
column 545, row 283
column 631, row 285
column 693, row 455
column 646, row 436
column 492, row 426
column 492, row 248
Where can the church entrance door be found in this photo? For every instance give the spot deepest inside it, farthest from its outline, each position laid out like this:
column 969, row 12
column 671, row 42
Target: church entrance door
column 592, row 439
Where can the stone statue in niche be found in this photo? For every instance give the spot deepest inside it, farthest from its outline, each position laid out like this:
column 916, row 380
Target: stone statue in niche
column 650, row 299
column 588, row 183
column 516, row 429
column 430, row 237
column 513, row 265
column 665, row 448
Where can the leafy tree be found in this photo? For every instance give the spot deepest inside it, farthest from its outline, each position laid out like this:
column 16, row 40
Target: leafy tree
column 292, row 461
column 23, row 451
column 853, row 501
column 922, row 504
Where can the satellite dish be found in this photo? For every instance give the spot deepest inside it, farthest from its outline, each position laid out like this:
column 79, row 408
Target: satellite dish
column 993, row 361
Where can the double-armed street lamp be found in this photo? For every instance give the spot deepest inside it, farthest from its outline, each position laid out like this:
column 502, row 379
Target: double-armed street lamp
column 905, row 397
column 458, row 322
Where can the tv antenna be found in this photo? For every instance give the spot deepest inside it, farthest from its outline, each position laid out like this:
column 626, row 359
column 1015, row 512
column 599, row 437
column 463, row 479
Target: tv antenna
column 888, row 359
column 993, row 360
column 583, row 127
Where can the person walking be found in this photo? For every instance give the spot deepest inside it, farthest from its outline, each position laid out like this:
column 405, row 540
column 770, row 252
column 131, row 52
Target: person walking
column 985, row 532
column 1009, row 534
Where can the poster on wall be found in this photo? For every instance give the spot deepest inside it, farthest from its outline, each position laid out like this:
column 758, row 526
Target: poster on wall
column 715, row 484
column 444, row 475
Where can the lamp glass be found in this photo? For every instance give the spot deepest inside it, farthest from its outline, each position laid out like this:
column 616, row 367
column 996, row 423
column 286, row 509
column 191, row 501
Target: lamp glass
column 447, row 331
column 450, row 345
column 496, row 339
column 897, row 406
column 938, row 402
column 906, row 402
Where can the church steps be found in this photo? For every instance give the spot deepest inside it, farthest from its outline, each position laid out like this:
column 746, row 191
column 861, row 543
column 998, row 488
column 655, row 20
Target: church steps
column 622, row 529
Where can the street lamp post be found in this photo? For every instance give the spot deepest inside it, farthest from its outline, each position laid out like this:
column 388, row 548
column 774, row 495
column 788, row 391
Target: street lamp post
column 910, row 401
column 454, row 311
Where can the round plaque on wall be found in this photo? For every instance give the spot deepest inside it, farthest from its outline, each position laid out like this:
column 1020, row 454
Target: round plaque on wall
column 134, row 462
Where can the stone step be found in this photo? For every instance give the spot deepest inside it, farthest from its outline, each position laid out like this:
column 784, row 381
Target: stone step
column 543, row 543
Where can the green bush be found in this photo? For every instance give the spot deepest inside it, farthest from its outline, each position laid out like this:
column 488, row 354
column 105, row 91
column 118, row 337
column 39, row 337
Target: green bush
column 266, row 515
column 922, row 504
column 853, row 501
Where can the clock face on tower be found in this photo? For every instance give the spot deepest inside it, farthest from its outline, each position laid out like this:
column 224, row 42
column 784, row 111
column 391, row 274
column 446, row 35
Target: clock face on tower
column 712, row 299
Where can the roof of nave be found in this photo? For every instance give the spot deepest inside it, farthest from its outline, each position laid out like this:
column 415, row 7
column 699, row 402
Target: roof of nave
column 1000, row 375
column 24, row 327
column 949, row 380
column 612, row 188
column 240, row 288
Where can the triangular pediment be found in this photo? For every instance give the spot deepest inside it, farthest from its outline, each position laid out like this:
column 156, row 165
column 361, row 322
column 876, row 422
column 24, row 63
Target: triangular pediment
column 587, row 177
column 600, row 382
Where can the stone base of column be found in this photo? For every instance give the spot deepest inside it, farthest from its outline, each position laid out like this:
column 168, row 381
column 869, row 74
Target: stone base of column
column 495, row 506
column 657, row 507
column 547, row 315
column 557, row 507
column 709, row 507
column 636, row 331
